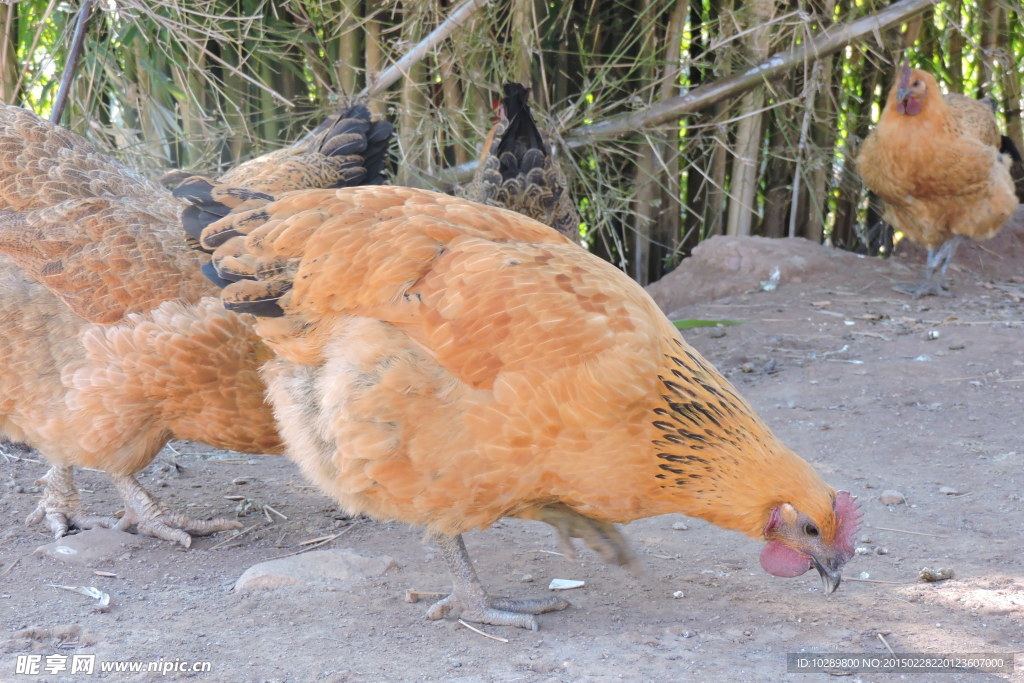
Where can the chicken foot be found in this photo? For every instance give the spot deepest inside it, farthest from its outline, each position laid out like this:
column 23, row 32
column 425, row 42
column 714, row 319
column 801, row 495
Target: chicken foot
column 469, row 599
column 603, row 538
column 61, row 504
column 152, row 518
column 936, row 266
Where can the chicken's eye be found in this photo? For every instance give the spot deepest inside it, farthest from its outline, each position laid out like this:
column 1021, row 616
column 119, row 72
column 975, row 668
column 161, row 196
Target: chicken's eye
column 917, row 83
column 810, row 530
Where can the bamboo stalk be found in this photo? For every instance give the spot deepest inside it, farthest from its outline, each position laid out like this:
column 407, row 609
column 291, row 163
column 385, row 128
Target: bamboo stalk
column 74, row 51
column 824, row 43
column 400, row 68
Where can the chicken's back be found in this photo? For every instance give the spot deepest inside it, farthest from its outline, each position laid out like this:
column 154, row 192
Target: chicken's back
column 42, row 164
column 974, row 118
column 447, row 364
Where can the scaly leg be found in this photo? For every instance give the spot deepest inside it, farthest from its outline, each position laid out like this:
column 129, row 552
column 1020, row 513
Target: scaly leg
column 153, row 518
column 469, row 599
column 61, row 504
column 935, row 270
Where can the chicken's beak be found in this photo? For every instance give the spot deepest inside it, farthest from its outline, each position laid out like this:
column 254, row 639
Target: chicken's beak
column 830, row 575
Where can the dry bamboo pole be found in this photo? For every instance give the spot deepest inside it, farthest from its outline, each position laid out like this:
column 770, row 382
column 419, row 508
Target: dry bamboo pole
column 74, row 51
column 348, row 47
column 991, row 15
column 9, row 55
column 743, row 183
column 1011, row 105
column 825, row 43
column 400, row 68
column 668, row 227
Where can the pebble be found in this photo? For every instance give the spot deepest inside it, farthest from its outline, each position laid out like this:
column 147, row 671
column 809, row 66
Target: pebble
column 526, row 578
column 332, row 568
column 892, row 497
column 565, row 584
column 933, row 575
column 680, row 526
column 949, row 491
column 92, row 548
column 679, row 594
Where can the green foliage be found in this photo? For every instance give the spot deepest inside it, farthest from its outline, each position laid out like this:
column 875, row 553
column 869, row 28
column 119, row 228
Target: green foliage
column 203, row 83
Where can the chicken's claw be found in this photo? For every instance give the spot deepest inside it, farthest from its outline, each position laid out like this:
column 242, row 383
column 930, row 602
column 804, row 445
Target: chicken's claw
column 60, row 505
column 496, row 611
column 469, row 600
column 150, row 517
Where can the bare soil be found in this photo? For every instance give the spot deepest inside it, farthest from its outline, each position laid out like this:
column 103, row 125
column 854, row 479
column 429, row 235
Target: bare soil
column 878, row 391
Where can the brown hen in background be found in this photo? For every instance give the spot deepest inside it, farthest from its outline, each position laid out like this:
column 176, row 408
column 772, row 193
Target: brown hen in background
column 517, row 171
column 935, row 162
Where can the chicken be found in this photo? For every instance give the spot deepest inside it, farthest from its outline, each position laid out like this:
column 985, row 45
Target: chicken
column 110, row 347
column 446, row 364
column 516, row 171
column 934, row 160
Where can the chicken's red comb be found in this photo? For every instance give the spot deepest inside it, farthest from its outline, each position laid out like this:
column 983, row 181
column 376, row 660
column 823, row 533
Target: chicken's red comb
column 848, row 517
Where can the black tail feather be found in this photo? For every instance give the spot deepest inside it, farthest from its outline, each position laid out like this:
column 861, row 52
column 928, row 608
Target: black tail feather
column 1006, row 146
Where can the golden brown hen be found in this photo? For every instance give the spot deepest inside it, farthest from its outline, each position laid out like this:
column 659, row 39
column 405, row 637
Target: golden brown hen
column 109, row 349
column 447, row 364
column 516, row 171
column 934, row 160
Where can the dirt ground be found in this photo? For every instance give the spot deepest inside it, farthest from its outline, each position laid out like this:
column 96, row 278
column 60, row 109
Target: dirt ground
column 878, row 391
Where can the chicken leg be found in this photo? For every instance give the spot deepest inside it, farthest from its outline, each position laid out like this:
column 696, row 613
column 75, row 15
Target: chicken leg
column 152, row 518
column 469, row 599
column 936, row 266
column 603, row 538
column 61, row 504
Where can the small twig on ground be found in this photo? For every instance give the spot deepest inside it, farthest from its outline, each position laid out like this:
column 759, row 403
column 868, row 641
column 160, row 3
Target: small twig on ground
column 414, row 595
column 894, row 583
column 485, row 635
column 267, row 507
column 241, row 533
column 904, row 531
column 548, row 552
column 884, row 642
column 11, row 566
column 321, row 542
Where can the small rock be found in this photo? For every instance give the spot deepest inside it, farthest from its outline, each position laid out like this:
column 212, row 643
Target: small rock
column 678, row 594
column 865, row 539
column 892, row 497
column 526, row 578
column 949, row 491
column 680, row 526
column 334, row 568
column 564, row 584
column 747, row 368
column 717, row 332
column 957, row 347
column 931, row 335
column 881, row 551
column 933, row 575
column 861, row 550
column 90, row 548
